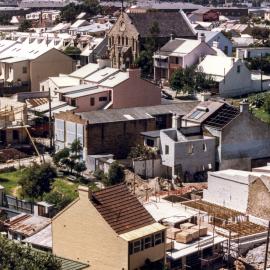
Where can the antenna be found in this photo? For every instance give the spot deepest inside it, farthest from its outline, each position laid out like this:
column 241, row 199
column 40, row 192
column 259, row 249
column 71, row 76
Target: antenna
column 122, row 5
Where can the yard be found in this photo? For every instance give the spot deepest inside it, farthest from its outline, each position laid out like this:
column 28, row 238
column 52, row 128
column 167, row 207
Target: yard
column 9, row 181
column 262, row 114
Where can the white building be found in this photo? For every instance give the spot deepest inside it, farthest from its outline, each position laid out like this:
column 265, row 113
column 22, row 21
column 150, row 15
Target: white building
column 231, row 74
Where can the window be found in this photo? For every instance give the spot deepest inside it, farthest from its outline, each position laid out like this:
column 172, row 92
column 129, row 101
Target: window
column 204, row 147
column 177, row 60
column 147, row 242
column 190, row 149
column 15, row 135
column 43, row 88
column 126, row 41
column 24, row 70
column 73, row 102
column 158, row 238
column 102, row 99
column 118, row 40
column 150, row 142
column 123, row 41
column 92, row 101
column 10, row 69
column 238, row 69
column 166, row 149
column 136, row 246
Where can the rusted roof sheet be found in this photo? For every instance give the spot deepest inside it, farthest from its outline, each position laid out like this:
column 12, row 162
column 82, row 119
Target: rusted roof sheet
column 27, row 224
column 121, row 209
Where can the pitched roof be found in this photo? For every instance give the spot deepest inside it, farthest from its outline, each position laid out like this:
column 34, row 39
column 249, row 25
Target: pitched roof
column 169, row 23
column 121, row 209
column 222, row 116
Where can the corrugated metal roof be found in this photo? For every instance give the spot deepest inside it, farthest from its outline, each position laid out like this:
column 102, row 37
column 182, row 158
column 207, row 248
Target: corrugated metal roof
column 137, row 113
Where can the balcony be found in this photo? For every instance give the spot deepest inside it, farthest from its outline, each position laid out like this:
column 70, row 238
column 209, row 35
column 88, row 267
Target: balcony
column 160, row 61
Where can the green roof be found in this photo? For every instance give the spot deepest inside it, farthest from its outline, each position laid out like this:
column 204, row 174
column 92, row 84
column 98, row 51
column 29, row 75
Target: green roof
column 71, row 265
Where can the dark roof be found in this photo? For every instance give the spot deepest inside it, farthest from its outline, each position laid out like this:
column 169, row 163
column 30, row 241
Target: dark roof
column 223, row 116
column 137, row 113
column 151, row 134
column 121, row 209
column 172, row 45
column 202, row 10
column 168, row 22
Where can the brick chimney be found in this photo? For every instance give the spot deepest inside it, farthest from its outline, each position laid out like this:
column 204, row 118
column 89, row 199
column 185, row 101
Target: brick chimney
column 134, row 72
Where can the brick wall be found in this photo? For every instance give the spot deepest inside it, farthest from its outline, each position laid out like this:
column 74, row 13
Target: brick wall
column 117, row 137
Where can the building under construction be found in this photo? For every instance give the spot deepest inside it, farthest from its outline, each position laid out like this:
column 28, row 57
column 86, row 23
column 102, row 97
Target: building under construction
column 13, row 122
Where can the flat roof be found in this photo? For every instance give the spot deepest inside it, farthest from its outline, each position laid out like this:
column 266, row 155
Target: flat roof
column 61, row 109
column 162, row 209
column 181, row 250
column 142, row 232
column 115, row 79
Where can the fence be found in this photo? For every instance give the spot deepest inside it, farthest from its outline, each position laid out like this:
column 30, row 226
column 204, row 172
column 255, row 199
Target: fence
column 19, row 205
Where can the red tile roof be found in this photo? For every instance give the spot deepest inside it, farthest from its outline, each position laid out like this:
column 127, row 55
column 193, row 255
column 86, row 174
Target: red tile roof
column 121, row 209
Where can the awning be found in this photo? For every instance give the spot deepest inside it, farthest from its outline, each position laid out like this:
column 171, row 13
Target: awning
column 160, row 57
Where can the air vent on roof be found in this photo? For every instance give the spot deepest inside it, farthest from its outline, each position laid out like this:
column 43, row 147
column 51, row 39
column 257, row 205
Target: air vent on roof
column 201, row 108
column 104, row 74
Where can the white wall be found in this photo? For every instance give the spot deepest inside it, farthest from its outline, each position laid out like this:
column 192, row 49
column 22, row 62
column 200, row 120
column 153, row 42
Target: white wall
column 227, row 191
column 236, row 84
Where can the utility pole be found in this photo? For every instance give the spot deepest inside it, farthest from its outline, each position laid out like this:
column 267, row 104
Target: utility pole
column 266, row 250
column 261, row 75
column 50, row 120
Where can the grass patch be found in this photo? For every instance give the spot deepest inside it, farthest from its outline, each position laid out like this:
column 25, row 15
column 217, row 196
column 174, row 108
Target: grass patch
column 10, row 180
column 262, row 115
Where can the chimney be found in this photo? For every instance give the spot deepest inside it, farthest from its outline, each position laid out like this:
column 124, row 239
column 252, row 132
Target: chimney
column 233, row 60
column 134, row 72
column 176, row 121
column 204, row 96
column 202, row 37
column 84, row 192
column 172, row 37
column 244, row 106
column 216, row 44
column 102, row 63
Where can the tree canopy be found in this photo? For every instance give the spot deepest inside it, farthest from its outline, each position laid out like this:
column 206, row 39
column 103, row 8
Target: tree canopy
column 17, row 257
column 71, row 11
column 190, row 80
column 71, row 157
column 145, row 59
column 37, row 179
column 115, row 174
column 24, row 26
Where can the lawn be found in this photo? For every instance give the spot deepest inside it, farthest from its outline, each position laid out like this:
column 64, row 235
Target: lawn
column 10, row 180
column 261, row 114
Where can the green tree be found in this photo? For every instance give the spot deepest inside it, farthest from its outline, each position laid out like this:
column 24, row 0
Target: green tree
column 36, row 180
column 266, row 105
column 190, row 80
column 17, row 257
column 71, row 157
column 73, row 52
column 116, row 174
column 60, row 155
column 145, row 59
column 61, row 194
column 69, row 13
column 25, row 26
